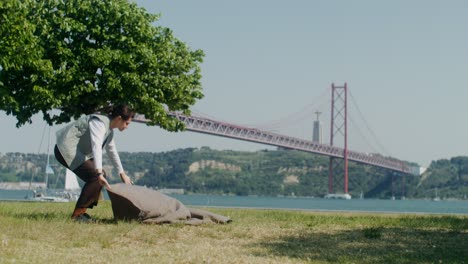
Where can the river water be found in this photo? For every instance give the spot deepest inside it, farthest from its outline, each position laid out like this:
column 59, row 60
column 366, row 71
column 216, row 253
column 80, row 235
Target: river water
column 305, row 203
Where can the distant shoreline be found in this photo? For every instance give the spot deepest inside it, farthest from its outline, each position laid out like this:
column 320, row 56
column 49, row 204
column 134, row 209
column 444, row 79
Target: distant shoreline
column 22, row 185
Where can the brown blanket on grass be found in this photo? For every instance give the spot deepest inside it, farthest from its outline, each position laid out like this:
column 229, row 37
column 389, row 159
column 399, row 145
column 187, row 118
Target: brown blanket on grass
column 152, row 207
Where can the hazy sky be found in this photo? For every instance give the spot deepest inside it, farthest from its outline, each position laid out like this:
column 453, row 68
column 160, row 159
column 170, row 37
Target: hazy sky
column 270, row 64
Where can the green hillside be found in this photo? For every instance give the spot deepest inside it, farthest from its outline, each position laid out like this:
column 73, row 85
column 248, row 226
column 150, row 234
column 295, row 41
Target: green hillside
column 267, row 172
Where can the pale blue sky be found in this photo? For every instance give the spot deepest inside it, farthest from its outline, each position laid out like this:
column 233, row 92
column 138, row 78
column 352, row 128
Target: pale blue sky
column 405, row 63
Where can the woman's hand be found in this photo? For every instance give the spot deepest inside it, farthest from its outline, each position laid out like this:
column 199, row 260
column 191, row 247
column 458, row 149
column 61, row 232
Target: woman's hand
column 125, row 178
column 102, row 181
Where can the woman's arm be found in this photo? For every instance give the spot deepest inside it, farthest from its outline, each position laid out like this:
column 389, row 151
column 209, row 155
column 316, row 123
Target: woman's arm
column 115, row 159
column 98, row 131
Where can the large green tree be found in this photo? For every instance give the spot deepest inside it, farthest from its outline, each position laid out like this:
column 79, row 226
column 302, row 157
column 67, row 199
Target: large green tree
column 79, row 56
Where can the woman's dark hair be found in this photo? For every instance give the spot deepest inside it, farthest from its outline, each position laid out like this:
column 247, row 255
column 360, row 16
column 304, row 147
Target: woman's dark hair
column 121, row 110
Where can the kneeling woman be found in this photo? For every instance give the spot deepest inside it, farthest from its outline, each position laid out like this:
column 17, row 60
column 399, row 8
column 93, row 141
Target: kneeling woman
column 79, row 148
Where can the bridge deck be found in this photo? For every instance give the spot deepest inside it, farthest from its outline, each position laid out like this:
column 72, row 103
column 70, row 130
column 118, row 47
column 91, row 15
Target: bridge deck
column 212, row 127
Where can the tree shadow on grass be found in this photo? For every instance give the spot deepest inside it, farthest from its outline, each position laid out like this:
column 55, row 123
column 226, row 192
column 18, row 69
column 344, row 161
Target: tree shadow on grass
column 370, row 245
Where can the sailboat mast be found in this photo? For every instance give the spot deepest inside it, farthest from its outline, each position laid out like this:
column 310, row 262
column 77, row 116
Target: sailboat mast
column 47, row 166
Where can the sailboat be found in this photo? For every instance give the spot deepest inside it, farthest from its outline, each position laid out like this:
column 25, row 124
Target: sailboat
column 71, row 191
column 72, row 188
column 71, row 185
column 436, row 198
column 42, row 196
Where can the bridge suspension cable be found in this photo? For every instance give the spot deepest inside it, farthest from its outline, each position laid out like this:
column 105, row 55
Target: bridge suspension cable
column 356, row 128
column 380, row 146
column 295, row 117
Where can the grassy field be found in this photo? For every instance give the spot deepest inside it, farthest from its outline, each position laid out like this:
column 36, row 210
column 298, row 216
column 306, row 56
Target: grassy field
column 43, row 233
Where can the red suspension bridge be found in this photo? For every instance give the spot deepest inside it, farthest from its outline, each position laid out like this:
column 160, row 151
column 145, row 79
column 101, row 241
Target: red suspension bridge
column 339, row 155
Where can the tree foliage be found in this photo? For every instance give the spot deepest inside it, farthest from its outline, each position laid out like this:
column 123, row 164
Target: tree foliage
column 79, row 56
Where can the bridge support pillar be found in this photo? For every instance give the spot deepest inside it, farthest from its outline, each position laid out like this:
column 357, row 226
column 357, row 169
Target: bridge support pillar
column 403, row 187
column 339, row 127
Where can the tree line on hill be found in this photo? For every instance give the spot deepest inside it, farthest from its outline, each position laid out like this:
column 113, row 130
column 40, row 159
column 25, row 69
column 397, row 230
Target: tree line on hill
column 266, row 172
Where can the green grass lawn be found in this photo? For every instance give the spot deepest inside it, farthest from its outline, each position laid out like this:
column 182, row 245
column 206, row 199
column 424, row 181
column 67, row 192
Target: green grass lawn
column 43, row 233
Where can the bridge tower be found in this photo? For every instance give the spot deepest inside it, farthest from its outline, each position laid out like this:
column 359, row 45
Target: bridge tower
column 339, row 127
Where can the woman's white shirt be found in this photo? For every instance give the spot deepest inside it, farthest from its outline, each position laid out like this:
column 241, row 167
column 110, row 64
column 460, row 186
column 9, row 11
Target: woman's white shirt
column 98, row 131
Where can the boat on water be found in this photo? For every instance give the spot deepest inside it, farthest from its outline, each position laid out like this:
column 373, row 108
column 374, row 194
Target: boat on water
column 72, row 188
column 436, row 198
column 343, row 196
column 70, row 193
column 41, row 197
